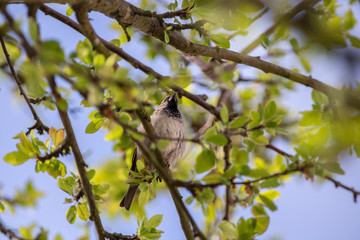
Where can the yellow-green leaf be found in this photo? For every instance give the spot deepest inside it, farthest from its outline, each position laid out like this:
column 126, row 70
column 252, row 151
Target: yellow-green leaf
column 16, row 158
column 144, row 198
column 154, row 221
column 71, row 214
column 239, row 122
column 182, row 81
column 205, row 161
column 229, row 230
column 82, row 211
column 114, row 134
column 221, row 40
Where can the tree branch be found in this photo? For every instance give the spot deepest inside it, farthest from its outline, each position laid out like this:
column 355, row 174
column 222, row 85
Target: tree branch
column 190, row 185
column 81, row 165
column 281, row 20
column 127, row 13
column 62, row 149
column 39, row 126
column 134, row 62
column 339, row 184
column 228, row 197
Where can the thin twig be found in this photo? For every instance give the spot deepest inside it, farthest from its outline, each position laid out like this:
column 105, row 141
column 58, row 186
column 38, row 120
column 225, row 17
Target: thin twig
column 339, row 184
column 191, row 185
column 7, row 232
column 62, row 149
column 39, row 126
column 228, row 198
column 281, row 20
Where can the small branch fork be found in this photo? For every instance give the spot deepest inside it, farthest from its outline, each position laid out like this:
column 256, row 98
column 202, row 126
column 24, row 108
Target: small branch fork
column 63, row 149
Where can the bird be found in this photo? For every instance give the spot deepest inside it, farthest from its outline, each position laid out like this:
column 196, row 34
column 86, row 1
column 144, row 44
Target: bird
column 168, row 123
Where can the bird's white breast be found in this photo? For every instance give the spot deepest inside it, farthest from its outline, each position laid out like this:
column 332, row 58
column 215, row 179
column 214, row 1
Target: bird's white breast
column 169, row 127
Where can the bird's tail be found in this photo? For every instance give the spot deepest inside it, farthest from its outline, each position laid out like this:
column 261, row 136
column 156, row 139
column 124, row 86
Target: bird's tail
column 129, row 196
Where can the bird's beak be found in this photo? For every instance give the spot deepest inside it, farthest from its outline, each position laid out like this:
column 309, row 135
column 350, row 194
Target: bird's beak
column 173, row 98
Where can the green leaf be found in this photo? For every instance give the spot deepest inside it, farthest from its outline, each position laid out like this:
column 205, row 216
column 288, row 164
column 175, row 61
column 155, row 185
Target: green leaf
column 51, row 52
column 100, row 189
column 69, row 11
column 349, row 20
column 172, row 6
column 71, row 214
column 310, row 118
column 91, row 174
column 213, row 177
column 217, row 139
column 33, row 29
column 319, row 98
column 224, row 113
column 114, row 134
column 270, row 110
column 99, row 61
column 166, row 37
column 82, row 211
column 116, row 42
column 333, row 167
column 305, row 63
column 144, row 198
column 281, row 32
column 262, row 224
column 205, row 161
column 94, row 126
column 182, row 81
column 239, row 122
column 16, row 158
column 2, row 207
column 270, row 183
column 49, row 105
column 355, row 41
column 154, row 221
column 262, row 140
column 258, row 211
column 295, row 45
column 220, row 40
column 189, row 200
column 67, row 184
column 268, row 203
column 239, row 157
column 229, row 230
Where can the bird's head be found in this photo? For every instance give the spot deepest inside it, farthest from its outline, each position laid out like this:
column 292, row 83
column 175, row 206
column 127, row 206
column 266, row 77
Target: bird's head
column 169, row 106
column 170, row 101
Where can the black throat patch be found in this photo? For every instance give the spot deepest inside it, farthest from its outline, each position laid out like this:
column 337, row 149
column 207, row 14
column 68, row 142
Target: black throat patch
column 171, row 111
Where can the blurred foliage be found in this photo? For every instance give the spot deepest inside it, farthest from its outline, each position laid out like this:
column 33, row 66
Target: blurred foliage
column 256, row 114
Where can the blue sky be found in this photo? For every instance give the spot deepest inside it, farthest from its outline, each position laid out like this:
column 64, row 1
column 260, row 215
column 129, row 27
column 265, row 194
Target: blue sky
column 306, row 210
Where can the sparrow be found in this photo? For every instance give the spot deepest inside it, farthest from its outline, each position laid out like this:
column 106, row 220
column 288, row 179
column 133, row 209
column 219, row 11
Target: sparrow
column 168, row 122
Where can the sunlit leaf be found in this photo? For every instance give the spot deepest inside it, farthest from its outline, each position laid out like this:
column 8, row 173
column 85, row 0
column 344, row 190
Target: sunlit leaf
column 229, row 230
column 82, row 211
column 71, row 214
column 205, row 161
